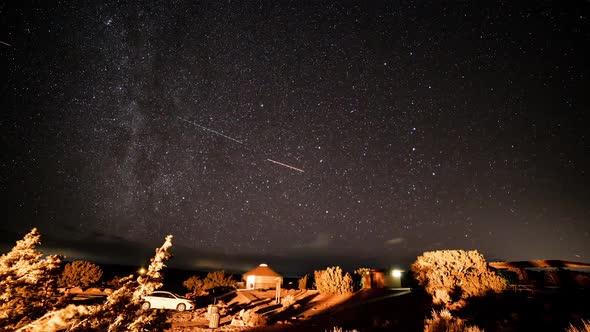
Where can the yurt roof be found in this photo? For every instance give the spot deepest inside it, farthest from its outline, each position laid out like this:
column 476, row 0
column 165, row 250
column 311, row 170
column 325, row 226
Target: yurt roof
column 262, row 270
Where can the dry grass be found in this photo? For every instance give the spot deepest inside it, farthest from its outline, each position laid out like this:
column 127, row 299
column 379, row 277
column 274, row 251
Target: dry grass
column 584, row 328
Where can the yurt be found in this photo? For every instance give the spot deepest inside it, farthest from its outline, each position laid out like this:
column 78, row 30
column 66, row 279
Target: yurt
column 262, row 277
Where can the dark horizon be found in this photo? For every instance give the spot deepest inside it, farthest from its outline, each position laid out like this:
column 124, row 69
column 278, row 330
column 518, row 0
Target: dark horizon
column 357, row 132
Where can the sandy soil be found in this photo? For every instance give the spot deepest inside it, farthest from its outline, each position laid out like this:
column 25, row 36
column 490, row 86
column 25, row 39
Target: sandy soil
column 312, row 311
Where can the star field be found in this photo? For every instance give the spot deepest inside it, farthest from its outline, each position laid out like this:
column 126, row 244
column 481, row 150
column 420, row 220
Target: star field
column 418, row 126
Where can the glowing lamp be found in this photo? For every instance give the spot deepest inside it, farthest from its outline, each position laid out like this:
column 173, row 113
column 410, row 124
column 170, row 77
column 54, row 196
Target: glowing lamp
column 396, row 273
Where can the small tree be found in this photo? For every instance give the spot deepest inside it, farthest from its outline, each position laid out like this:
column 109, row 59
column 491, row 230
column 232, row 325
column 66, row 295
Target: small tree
column 452, row 276
column 194, row 284
column 333, row 281
column 218, row 279
column 213, row 279
column 80, row 274
column 302, row 283
column 28, row 283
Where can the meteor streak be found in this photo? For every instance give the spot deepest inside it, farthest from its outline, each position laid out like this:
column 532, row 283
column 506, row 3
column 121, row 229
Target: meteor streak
column 240, row 142
column 211, row 130
column 285, row 165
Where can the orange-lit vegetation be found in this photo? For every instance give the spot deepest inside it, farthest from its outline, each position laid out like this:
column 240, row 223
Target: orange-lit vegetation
column 28, row 283
column 333, row 280
column 452, row 276
column 302, row 283
column 585, row 327
column 198, row 286
column 80, row 274
column 443, row 321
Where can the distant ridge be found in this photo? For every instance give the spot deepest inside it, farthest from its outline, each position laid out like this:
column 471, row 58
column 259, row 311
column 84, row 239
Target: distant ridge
column 538, row 264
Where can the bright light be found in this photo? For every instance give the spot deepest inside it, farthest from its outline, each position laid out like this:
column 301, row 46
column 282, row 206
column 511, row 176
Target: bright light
column 141, row 271
column 396, row 273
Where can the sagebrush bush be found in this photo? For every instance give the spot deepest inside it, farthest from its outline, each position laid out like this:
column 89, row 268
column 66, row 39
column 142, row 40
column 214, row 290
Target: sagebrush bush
column 302, row 283
column 287, row 301
column 584, row 328
column 252, row 318
column 452, row 276
column 28, row 283
column 80, row 274
column 194, row 284
column 443, row 321
column 213, row 279
column 333, row 281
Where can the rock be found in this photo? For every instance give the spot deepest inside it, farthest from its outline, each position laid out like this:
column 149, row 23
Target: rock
column 237, row 322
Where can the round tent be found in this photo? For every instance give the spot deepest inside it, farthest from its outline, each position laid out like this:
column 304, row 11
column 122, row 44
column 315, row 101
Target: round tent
column 262, row 277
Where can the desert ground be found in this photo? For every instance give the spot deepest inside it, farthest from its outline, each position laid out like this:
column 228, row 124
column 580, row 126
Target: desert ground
column 393, row 310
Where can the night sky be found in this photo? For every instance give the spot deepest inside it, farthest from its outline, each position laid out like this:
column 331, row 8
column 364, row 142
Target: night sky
column 296, row 133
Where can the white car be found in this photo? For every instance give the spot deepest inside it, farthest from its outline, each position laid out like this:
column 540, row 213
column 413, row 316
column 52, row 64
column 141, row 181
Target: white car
column 166, row 300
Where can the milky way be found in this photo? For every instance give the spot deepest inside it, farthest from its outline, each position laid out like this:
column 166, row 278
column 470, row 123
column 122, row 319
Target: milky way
column 418, row 126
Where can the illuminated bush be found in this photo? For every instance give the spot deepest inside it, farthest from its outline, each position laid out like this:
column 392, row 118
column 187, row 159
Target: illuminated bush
column 28, row 283
column 333, row 281
column 443, row 321
column 584, row 328
column 80, row 274
column 287, row 301
column 115, row 282
column 194, row 284
column 214, row 279
column 451, row 276
column 218, row 279
column 252, row 318
column 302, row 283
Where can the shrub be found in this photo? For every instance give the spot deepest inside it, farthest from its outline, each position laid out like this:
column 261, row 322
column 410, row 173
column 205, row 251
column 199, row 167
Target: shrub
column 80, row 274
column 28, row 283
column 584, row 328
column 252, row 318
column 333, row 281
column 339, row 329
column 218, row 279
column 443, row 321
column 451, row 276
column 214, row 279
column 302, row 283
column 194, row 284
column 115, row 282
column 287, row 301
